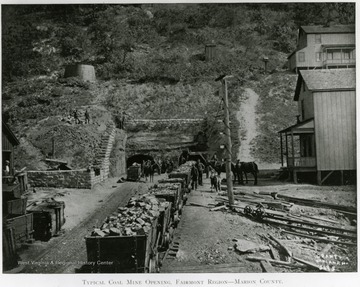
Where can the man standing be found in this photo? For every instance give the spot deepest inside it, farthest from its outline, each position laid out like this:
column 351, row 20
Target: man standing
column 87, row 116
column 200, row 167
column 194, row 177
column 76, row 116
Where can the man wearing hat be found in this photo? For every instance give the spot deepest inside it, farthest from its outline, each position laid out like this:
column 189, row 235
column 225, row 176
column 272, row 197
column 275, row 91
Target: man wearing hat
column 7, row 168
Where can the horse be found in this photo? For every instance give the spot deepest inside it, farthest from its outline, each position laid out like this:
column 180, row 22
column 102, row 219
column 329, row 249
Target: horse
column 156, row 167
column 247, row 167
column 148, row 171
column 220, row 167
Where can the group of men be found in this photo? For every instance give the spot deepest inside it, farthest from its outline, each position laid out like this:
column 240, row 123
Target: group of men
column 77, row 119
column 197, row 171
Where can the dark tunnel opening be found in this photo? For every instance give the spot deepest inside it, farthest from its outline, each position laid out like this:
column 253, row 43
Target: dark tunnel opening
column 138, row 158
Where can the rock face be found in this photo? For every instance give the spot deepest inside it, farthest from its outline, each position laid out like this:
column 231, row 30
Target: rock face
column 166, row 134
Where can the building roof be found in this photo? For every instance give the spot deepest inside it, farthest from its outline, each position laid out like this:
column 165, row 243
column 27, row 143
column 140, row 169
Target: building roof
column 329, row 30
column 306, row 126
column 12, row 138
column 326, row 80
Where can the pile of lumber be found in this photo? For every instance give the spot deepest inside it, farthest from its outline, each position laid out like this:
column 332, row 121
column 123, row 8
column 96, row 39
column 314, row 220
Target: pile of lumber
column 266, row 199
column 317, row 203
column 134, row 219
column 301, row 226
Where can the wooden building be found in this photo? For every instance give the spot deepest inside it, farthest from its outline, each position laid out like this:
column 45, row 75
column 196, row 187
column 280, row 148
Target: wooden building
column 9, row 141
column 324, row 139
column 324, row 47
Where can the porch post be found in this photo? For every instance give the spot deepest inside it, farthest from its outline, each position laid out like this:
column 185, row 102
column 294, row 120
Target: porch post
column 293, row 156
column 319, row 177
column 287, row 150
column 292, row 147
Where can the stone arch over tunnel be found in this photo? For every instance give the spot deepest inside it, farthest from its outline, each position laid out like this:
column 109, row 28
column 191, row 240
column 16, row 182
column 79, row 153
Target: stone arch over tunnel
column 138, row 158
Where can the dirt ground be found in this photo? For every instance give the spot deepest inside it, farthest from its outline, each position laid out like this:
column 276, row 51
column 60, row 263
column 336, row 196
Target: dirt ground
column 205, row 238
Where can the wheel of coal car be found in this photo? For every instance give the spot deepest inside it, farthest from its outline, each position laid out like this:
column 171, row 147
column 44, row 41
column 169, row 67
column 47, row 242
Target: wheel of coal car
column 171, row 233
column 180, row 208
column 166, row 240
column 176, row 219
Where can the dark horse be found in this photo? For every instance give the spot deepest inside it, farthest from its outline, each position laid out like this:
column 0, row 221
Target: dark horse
column 246, row 167
column 238, row 170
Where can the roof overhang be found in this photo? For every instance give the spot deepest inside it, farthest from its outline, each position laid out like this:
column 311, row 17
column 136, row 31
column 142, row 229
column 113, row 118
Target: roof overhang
column 305, row 127
column 13, row 139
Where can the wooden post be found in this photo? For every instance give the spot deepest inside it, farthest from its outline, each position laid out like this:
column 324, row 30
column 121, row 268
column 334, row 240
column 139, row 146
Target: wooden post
column 341, row 177
column 293, row 157
column 281, row 150
column 287, row 150
column 53, row 148
column 319, row 177
column 292, row 148
column 228, row 144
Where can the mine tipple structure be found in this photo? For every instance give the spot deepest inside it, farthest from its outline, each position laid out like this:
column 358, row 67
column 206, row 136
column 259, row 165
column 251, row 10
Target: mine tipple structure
column 326, row 128
column 324, row 47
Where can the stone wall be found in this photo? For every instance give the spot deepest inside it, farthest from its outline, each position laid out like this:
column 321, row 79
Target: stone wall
column 82, row 178
column 60, row 178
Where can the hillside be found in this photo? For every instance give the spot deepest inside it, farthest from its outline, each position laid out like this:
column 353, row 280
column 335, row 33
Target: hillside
column 150, row 62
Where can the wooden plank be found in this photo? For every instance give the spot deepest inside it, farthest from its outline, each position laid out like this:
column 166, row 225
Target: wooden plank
column 287, row 251
column 272, row 261
column 317, row 203
column 327, row 176
column 311, row 229
column 315, row 225
column 218, row 208
column 319, row 238
column 267, row 267
column 197, row 204
column 310, row 264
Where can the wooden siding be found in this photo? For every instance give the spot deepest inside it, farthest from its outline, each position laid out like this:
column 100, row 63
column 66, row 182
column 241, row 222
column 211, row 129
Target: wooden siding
column 6, row 144
column 307, row 96
column 307, row 45
column 335, row 130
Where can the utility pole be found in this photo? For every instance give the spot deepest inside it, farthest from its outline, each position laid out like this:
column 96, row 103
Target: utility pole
column 228, row 139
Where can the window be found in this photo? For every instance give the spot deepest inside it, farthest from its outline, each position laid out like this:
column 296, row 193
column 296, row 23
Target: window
column 329, row 55
column 318, row 39
column 318, row 56
column 301, row 57
column 347, row 54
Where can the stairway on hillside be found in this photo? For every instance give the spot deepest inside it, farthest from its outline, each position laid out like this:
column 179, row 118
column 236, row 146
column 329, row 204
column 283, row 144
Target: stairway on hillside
column 102, row 158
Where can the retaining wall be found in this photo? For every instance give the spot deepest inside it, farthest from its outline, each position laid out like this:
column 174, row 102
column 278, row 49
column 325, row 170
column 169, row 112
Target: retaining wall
column 63, row 178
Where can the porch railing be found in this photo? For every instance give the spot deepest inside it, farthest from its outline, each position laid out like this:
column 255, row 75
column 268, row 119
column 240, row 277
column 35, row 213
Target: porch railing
column 339, row 62
column 301, row 161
